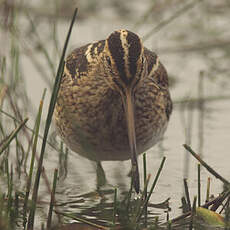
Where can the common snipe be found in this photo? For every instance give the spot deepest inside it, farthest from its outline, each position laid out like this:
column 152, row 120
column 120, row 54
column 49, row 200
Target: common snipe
column 114, row 101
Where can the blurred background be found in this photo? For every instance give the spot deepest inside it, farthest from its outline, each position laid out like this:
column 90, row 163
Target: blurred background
column 192, row 39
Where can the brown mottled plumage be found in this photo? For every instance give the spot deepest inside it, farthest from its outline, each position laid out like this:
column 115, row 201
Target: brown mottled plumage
column 93, row 114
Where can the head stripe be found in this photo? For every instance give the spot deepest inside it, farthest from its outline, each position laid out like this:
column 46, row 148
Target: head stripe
column 134, row 52
column 117, row 53
column 125, row 46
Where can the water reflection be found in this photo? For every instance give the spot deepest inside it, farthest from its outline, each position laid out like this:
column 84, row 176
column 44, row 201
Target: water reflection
column 98, row 207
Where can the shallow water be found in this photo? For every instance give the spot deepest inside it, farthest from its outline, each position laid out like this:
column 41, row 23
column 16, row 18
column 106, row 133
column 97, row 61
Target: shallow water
column 206, row 129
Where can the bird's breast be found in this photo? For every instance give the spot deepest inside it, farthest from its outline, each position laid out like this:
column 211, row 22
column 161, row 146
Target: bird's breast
column 91, row 120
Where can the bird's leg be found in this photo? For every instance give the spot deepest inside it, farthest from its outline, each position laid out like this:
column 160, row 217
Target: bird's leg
column 101, row 179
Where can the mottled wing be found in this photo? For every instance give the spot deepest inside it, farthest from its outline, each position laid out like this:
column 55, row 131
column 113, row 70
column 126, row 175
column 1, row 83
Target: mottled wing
column 159, row 75
column 81, row 60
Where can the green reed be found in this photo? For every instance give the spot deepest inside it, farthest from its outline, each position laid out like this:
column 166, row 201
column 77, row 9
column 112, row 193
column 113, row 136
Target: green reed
column 12, row 136
column 140, row 212
column 198, row 185
column 52, row 199
column 34, row 149
column 47, row 125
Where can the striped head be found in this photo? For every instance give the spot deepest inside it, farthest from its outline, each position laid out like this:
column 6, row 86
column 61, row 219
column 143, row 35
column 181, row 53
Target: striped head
column 124, row 60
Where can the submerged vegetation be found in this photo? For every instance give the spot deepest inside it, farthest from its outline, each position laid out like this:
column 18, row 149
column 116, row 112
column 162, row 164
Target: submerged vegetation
column 23, row 131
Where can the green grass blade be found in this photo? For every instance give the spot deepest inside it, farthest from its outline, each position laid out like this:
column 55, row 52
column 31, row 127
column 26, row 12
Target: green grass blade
column 52, row 199
column 47, row 126
column 145, row 194
column 115, row 206
column 199, row 185
column 12, row 136
column 151, row 190
column 31, row 130
column 34, row 149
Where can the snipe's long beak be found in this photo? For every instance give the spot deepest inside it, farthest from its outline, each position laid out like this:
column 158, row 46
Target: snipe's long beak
column 128, row 102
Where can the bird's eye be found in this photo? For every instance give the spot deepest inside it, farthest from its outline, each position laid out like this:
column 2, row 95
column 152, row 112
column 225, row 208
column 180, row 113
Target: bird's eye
column 108, row 60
